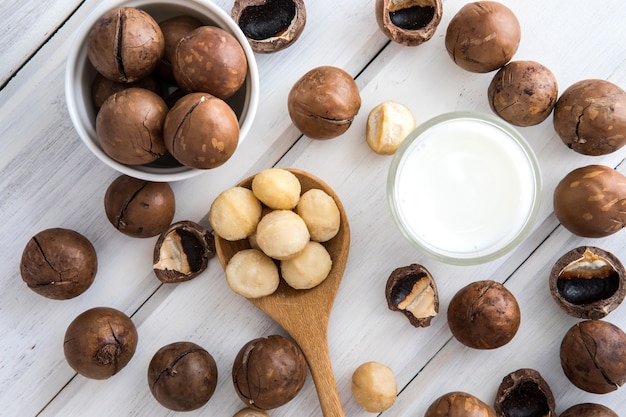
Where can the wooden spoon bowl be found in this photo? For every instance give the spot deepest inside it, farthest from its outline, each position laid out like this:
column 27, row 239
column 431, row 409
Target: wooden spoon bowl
column 304, row 314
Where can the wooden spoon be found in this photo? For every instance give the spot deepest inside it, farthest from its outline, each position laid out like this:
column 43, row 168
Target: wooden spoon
column 304, row 314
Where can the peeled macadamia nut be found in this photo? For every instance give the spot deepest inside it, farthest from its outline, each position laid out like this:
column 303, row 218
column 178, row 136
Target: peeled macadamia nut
column 408, row 22
column 59, row 263
column 235, row 213
column 282, row 234
column 277, row 188
column 523, row 93
column 484, row 315
column 182, row 376
column 201, row 131
column 139, row 208
column 459, row 404
column 590, row 117
column 388, row 124
column 100, row 342
column 269, row 372
column 374, row 387
column 588, row 410
column 483, row 36
column 320, row 214
column 210, row 60
column 252, row 274
column 129, row 126
column 308, row 269
column 590, row 201
column 323, row 103
column 125, row 44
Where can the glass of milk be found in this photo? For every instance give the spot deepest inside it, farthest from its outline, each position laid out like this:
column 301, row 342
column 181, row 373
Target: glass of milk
column 464, row 188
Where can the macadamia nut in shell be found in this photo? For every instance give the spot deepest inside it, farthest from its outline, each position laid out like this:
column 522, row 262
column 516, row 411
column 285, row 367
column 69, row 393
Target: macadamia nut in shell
column 235, row 213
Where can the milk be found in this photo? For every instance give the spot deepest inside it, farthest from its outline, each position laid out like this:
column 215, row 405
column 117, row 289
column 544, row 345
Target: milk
column 465, row 188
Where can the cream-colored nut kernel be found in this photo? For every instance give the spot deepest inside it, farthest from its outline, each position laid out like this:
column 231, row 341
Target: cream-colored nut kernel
column 320, row 213
column 388, row 124
column 374, row 387
column 172, row 255
column 277, row 188
column 252, row 274
column 308, row 269
column 282, row 234
column 250, row 412
column 235, row 213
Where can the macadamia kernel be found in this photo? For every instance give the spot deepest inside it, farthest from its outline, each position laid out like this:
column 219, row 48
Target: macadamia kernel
column 235, row 213
column 277, row 188
column 374, row 387
column 282, row 234
column 320, row 213
column 388, row 124
column 309, row 268
column 252, row 274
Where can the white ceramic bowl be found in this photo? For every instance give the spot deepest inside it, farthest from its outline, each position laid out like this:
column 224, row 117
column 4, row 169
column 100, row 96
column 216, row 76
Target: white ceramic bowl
column 80, row 74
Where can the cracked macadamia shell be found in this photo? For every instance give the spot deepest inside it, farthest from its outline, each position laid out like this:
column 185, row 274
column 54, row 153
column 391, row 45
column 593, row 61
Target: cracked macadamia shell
column 524, row 393
column 459, row 404
column 409, row 22
column 323, row 103
column 129, row 126
column 412, row 291
column 125, row 44
column 58, row 263
column 100, row 342
column 483, row 36
column 590, row 201
column 270, row 25
column 590, row 117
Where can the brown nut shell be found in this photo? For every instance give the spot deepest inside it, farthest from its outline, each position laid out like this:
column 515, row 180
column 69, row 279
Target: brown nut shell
column 173, row 29
column 483, row 36
column 59, row 263
column 269, row 372
column 270, row 25
column 593, row 356
column 588, row 282
column 323, row 103
column 409, row 22
column 484, row 315
column 590, row 201
column 125, row 44
column 250, row 412
column 139, row 208
column 523, row 93
column 588, row 410
column 524, row 392
column 412, row 291
column 100, row 342
column 102, row 87
column 459, row 404
column 182, row 376
column 210, row 60
column 590, row 117
column 182, row 252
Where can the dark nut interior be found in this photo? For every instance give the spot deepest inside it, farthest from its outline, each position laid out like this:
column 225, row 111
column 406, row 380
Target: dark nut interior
column 100, row 342
column 412, row 291
column 524, row 393
column 408, row 22
column 182, row 252
column 459, row 404
column 587, row 282
column 58, row 263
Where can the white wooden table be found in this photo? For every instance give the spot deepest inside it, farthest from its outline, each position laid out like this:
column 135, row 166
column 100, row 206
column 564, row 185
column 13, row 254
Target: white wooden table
column 49, row 179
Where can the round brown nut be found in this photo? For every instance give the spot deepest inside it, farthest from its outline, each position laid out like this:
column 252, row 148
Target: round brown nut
column 388, row 124
column 483, row 36
column 590, row 201
column 590, row 117
column 125, row 44
column 270, row 25
column 174, row 29
column 182, row 252
column 524, row 392
column 269, row 372
column 182, row 376
column 484, row 315
column 412, row 291
column 588, row 282
column 100, row 342
column 59, row 264
column 323, row 103
column 409, row 22
column 102, row 87
column 210, row 60
column 593, row 356
column 129, row 126
column 374, row 387
column 459, row 404
column 139, row 208
column 589, row 410
column 201, row 131
column 523, row 93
